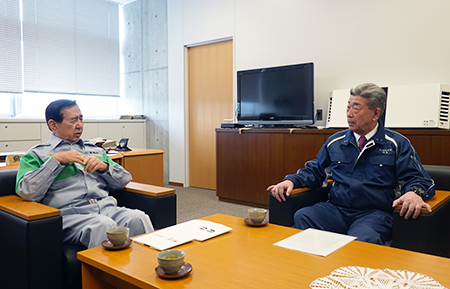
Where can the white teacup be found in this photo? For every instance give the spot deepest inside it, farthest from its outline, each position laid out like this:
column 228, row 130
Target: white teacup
column 118, row 235
column 257, row 215
column 170, row 260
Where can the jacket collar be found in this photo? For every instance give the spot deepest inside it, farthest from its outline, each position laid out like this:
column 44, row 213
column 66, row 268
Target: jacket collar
column 56, row 141
column 378, row 138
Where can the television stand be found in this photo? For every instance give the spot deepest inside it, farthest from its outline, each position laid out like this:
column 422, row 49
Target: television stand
column 285, row 126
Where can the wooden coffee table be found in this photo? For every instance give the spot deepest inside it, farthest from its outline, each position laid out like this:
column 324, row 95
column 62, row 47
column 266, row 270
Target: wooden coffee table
column 247, row 258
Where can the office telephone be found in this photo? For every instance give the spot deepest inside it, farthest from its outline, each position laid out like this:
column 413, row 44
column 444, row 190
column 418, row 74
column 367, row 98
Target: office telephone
column 123, row 145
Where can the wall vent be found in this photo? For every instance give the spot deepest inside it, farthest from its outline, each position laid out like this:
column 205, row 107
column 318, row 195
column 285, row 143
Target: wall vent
column 443, row 110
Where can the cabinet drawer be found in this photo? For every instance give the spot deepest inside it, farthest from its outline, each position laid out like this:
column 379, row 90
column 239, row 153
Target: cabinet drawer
column 20, row 131
column 17, row 146
column 111, row 131
column 136, row 134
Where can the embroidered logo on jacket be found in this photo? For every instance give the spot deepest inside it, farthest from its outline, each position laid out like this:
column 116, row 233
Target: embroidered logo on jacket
column 386, row 151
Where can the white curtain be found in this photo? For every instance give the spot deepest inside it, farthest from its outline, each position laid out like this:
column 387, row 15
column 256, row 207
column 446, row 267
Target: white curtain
column 71, row 46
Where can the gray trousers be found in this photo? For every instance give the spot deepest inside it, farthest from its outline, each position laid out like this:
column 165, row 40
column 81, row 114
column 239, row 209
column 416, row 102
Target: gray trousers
column 87, row 224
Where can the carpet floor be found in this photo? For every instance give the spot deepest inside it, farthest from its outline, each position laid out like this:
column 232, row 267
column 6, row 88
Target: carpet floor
column 194, row 203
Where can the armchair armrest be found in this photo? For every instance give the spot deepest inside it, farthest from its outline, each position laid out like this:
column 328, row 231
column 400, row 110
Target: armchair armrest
column 34, row 234
column 26, row 210
column 282, row 213
column 430, row 232
column 435, row 202
column 158, row 202
column 301, row 190
column 150, row 190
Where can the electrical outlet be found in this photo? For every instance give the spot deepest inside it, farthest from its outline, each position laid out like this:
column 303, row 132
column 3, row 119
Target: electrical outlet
column 319, row 115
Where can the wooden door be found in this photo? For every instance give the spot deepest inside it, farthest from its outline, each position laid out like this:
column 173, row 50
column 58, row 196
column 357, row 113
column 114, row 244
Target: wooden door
column 210, row 69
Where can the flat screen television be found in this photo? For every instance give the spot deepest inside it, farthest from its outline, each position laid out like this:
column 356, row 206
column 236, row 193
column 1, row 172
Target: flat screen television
column 276, row 96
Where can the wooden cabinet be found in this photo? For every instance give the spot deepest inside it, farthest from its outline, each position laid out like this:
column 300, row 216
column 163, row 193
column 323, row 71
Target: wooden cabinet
column 243, row 160
column 440, row 152
column 248, row 161
column 299, row 149
column 432, row 146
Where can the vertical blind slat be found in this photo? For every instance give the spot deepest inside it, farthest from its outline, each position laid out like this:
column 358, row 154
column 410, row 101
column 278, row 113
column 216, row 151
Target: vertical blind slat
column 10, row 47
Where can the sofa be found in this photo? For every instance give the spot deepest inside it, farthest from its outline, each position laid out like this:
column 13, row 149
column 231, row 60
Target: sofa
column 429, row 233
column 33, row 254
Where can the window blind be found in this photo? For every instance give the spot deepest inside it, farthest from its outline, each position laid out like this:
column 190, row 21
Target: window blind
column 10, row 47
column 71, row 46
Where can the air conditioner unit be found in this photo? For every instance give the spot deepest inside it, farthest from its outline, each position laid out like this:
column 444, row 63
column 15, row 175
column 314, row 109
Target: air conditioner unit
column 337, row 109
column 409, row 106
column 418, row 106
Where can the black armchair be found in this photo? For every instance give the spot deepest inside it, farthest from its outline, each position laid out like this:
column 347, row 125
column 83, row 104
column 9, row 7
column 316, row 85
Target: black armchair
column 33, row 254
column 429, row 233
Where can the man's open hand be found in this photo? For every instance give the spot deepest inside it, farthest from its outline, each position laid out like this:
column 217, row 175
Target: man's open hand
column 412, row 204
column 280, row 189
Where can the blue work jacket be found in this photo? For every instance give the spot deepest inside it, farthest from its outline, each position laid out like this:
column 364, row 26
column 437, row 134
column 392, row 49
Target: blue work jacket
column 371, row 179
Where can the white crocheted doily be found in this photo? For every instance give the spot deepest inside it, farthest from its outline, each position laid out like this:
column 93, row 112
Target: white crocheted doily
column 363, row 277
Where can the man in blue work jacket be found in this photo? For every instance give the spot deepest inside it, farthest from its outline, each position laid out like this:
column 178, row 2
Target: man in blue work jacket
column 373, row 168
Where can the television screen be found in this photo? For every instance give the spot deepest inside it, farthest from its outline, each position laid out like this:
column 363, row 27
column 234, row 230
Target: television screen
column 282, row 95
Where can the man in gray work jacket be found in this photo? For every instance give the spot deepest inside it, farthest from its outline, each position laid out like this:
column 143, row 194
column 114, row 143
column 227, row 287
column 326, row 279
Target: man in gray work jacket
column 374, row 169
column 67, row 174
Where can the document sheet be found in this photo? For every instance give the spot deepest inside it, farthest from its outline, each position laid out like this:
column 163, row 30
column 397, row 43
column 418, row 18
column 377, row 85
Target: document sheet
column 315, row 242
column 172, row 236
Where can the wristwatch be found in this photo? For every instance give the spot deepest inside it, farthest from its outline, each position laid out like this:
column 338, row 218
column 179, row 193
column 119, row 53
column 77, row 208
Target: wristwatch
column 419, row 191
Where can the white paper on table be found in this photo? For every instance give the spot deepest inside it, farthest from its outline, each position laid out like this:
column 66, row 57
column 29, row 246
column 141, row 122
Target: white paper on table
column 315, row 242
column 203, row 230
column 172, row 236
column 164, row 239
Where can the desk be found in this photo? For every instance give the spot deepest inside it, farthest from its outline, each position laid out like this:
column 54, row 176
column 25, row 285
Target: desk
column 145, row 165
column 247, row 258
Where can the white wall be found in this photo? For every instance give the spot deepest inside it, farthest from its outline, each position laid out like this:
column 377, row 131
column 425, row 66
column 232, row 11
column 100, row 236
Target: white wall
column 176, row 91
column 350, row 42
column 207, row 20
column 191, row 22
